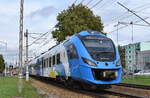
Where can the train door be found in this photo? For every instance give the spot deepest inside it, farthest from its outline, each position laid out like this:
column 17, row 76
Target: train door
column 73, row 59
column 64, row 60
column 42, row 67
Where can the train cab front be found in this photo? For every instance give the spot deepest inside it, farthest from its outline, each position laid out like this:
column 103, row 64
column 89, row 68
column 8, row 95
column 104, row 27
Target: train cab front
column 101, row 72
column 100, row 61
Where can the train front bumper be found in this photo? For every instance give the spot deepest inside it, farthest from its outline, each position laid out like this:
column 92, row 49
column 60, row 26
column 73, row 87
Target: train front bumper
column 101, row 76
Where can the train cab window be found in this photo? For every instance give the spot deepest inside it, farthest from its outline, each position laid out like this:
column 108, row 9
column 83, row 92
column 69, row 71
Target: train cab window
column 54, row 59
column 58, row 58
column 72, row 52
column 49, row 61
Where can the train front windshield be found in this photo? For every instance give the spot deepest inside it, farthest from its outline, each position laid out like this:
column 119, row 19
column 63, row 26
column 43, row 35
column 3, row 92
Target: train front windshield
column 100, row 48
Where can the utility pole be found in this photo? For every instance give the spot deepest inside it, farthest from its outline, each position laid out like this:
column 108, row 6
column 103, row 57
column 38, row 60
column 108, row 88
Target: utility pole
column 26, row 62
column 21, row 38
column 131, row 23
column 134, row 13
column 132, row 31
column 117, row 32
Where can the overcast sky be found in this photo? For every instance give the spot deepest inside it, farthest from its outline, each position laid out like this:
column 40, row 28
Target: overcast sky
column 40, row 17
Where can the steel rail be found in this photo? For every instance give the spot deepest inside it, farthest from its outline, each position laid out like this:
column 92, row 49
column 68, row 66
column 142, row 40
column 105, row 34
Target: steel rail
column 146, row 87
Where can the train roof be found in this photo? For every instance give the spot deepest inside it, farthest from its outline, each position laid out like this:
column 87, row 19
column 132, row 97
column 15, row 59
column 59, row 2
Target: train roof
column 90, row 32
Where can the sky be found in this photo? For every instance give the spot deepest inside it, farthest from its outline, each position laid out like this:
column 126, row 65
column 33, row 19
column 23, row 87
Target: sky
column 40, row 17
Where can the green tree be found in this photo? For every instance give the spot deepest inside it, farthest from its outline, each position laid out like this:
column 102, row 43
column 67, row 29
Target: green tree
column 122, row 55
column 75, row 19
column 2, row 64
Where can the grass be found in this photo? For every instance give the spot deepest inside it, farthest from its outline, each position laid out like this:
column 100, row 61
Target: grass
column 10, row 88
column 143, row 80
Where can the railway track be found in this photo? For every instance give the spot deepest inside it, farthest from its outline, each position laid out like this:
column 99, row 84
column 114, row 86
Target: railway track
column 142, row 91
column 94, row 93
column 134, row 86
column 124, row 95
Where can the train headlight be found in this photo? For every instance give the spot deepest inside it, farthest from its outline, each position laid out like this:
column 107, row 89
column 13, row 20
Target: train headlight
column 118, row 63
column 88, row 62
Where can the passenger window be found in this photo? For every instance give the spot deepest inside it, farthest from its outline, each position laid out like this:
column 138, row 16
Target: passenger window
column 54, row 60
column 72, row 52
column 58, row 58
column 38, row 62
column 45, row 63
column 42, row 62
column 49, row 61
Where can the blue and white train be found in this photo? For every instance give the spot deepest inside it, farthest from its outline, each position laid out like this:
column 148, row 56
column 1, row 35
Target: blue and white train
column 88, row 56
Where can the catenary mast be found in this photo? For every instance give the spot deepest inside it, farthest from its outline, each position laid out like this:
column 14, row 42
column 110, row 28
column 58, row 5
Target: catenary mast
column 21, row 38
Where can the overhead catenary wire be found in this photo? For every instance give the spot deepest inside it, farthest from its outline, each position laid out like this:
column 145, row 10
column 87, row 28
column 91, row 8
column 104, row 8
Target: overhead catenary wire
column 133, row 24
column 75, row 2
column 108, row 2
column 123, row 16
column 38, row 38
column 123, row 27
column 33, row 37
column 142, row 12
column 127, row 25
column 82, row 1
column 89, row 2
column 96, row 4
column 46, row 42
column 41, row 44
column 34, row 51
column 36, row 33
column 105, row 3
column 41, row 37
column 133, row 13
column 145, row 6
